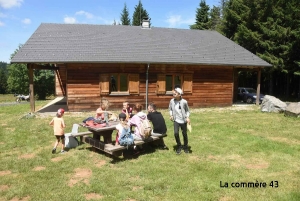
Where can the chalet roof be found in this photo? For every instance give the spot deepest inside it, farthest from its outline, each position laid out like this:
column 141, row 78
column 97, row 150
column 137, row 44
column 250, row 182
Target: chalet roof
column 85, row 43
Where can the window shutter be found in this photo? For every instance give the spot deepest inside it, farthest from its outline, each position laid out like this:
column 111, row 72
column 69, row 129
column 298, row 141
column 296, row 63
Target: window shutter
column 161, row 84
column 187, row 83
column 134, row 83
column 104, row 84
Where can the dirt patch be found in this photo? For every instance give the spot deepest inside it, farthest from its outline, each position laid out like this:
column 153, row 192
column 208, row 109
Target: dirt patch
column 230, row 108
column 258, row 166
column 11, row 129
column 284, row 140
column 135, row 188
column 27, row 156
column 1, row 142
column 39, row 168
column 93, row 196
column 4, row 187
column 6, row 172
column 99, row 164
column 21, row 199
column 80, row 175
column 57, row 159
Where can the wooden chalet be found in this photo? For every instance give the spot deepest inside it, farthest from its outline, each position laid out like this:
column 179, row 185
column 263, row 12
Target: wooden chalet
column 137, row 64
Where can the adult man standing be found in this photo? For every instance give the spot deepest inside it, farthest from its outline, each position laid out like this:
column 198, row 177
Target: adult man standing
column 158, row 122
column 179, row 114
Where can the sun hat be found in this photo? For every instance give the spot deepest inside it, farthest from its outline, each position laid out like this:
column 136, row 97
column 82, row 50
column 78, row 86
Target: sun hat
column 178, row 90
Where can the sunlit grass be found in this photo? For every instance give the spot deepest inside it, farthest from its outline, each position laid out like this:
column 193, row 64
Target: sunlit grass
column 227, row 145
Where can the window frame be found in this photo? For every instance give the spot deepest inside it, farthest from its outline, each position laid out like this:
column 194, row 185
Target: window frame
column 174, row 76
column 118, row 81
column 186, row 83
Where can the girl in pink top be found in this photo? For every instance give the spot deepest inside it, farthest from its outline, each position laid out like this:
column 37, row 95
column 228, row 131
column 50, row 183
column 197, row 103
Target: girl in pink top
column 58, row 128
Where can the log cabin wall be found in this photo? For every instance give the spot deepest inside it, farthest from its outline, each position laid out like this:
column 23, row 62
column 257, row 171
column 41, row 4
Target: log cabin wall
column 211, row 85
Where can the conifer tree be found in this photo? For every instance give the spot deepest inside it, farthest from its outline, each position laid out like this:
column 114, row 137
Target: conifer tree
column 202, row 17
column 138, row 14
column 125, row 20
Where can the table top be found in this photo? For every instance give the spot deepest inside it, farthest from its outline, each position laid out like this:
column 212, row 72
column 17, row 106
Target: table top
column 111, row 126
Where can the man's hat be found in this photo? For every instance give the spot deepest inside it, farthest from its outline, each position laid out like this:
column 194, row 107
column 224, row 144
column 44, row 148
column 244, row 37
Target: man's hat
column 178, row 90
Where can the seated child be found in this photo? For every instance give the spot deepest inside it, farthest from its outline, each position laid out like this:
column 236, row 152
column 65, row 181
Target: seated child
column 100, row 113
column 136, row 119
column 127, row 110
column 123, row 123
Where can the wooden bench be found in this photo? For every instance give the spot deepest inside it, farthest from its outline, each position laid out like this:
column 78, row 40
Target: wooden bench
column 81, row 134
column 117, row 150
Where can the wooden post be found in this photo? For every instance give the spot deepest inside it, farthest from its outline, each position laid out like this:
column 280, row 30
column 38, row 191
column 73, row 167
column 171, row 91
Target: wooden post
column 258, row 86
column 31, row 91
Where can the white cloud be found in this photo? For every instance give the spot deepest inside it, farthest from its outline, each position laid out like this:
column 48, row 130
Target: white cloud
column 87, row 15
column 1, row 24
column 70, row 20
column 176, row 21
column 10, row 3
column 2, row 15
column 26, row 21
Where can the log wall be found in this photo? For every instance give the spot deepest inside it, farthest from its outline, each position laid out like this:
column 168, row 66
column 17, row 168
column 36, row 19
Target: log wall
column 212, row 85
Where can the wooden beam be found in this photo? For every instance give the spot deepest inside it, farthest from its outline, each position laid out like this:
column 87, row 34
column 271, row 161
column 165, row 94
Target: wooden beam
column 258, row 86
column 31, row 91
column 44, row 67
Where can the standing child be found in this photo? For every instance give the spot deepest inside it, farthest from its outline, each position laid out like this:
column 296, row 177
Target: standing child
column 58, row 127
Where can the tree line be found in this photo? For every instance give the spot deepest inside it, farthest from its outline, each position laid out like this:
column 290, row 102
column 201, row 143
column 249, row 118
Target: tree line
column 14, row 79
column 269, row 29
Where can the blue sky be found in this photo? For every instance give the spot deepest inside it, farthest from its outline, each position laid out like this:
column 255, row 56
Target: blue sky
column 20, row 18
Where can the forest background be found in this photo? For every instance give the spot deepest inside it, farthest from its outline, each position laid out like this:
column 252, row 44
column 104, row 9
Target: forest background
column 269, row 29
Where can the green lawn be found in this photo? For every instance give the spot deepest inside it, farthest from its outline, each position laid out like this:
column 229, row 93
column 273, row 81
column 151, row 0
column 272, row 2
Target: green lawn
column 232, row 151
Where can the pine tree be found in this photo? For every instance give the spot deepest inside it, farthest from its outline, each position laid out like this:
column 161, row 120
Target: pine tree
column 3, row 78
column 202, row 17
column 215, row 18
column 125, row 20
column 271, row 30
column 138, row 14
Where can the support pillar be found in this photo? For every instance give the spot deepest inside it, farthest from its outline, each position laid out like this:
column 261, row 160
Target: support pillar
column 258, row 86
column 31, row 91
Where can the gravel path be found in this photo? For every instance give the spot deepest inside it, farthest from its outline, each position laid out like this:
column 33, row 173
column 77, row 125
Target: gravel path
column 13, row 103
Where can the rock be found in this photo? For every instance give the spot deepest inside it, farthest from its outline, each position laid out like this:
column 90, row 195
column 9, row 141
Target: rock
column 293, row 109
column 272, row 104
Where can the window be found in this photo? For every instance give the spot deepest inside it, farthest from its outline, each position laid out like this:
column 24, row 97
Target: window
column 172, row 81
column 166, row 83
column 118, row 83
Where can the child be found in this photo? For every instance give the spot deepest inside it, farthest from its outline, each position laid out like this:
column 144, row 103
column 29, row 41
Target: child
column 123, row 124
column 136, row 119
column 127, row 110
column 58, row 128
column 100, row 112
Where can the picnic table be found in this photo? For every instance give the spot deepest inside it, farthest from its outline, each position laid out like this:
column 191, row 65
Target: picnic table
column 106, row 145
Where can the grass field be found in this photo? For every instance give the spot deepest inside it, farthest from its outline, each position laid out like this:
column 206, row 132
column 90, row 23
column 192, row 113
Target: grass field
column 237, row 153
